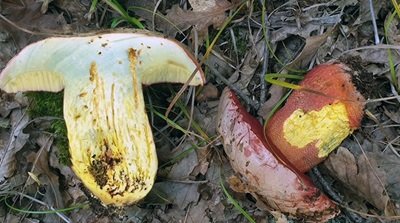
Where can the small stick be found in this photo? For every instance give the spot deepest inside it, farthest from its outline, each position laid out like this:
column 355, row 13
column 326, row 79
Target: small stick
column 375, row 28
column 252, row 103
column 263, row 84
column 327, row 188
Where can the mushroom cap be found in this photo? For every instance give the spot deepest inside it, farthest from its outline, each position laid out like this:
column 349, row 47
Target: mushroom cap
column 111, row 143
column 310, row 125
column 48, row 64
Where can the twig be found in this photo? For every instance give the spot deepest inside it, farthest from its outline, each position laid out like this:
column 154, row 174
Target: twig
column 252, row 103
column 187, row 181
column 327, row 188
column 374, row 47
column 234, row 44
column 263, row 84
column 42, row 33
column 153, row 17
column 390, row 145
column 394, row 91
column 265, row 31
column 375, row 28
column 397, row 97
column 17, row 26
column 59, row 214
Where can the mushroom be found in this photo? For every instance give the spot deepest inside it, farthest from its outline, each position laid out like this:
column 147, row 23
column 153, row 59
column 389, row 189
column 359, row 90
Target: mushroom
column 317, row 117
column 264, row 171
column 110, row 139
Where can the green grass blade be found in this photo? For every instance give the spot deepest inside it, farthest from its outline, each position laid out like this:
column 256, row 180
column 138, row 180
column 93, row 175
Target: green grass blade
column 396, row 7
column 93, row 7
column 118, row 8
column 235, row 203
column 264, row 30
column 161, row 16
column 270, row 78
column 178, row 157
column 220, row 31
column 46, row 211
column 194, row 124
column 276, row 107
column 393, row 75
column 116, row 21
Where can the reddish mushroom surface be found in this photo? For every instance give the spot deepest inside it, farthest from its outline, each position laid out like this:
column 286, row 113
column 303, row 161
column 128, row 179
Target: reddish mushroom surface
column 268, row 177
column 318, row 117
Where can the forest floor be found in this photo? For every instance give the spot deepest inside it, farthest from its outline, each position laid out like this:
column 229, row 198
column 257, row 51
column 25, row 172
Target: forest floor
column 239, row 42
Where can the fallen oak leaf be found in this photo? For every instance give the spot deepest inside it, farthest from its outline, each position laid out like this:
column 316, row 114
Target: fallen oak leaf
column 371, row 176
column 200, row 17
column 312, row 44
column 27, row 14
column 17, row 139
column 41, row 169
column 46, row 177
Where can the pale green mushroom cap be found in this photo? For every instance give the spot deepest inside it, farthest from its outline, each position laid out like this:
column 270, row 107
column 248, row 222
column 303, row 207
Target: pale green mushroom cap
column 110, row 139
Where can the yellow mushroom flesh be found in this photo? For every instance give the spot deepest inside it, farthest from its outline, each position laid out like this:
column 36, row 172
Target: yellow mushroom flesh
column 111, row 143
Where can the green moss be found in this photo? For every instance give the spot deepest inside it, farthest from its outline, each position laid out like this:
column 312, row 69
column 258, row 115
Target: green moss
column 45, row 104
column 51, row 104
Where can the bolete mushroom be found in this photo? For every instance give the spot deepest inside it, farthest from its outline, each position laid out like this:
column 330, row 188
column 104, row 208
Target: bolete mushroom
column 266, row 173
column 317, row 117
column 111, row 143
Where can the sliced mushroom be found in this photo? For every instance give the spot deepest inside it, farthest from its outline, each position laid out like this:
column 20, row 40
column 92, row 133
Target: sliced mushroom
column 111, row 143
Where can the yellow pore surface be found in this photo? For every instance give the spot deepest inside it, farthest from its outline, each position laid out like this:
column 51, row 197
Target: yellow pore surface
column 327, row 127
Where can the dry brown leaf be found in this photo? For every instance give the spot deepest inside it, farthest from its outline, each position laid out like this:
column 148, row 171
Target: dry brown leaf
column 6, row 107
column 180, row 194
column 203, row 155
column 364, row 175
column 201, row 17
column 311, row 47
column 393, row 115
column 16, row 141
column 74, row 193
column 209, row 91
column 40, row 168
column 198, row 213
column 179, row 189
column 18, row 219
column 249, row 66
column 285, row 31
column 203, row 5
column 87, row 215
column 375, row 55
column 236, row 184
column 276, row 92
column 393, row 35
column 183, row 168
column 205, row 116
column 27, row 14
column 365, row 12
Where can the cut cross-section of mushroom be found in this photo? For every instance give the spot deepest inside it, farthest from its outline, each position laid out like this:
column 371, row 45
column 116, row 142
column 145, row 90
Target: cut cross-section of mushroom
column 111, row 143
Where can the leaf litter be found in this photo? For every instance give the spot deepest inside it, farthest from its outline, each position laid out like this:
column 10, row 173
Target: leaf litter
column 16, row 140
column 189, row 189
